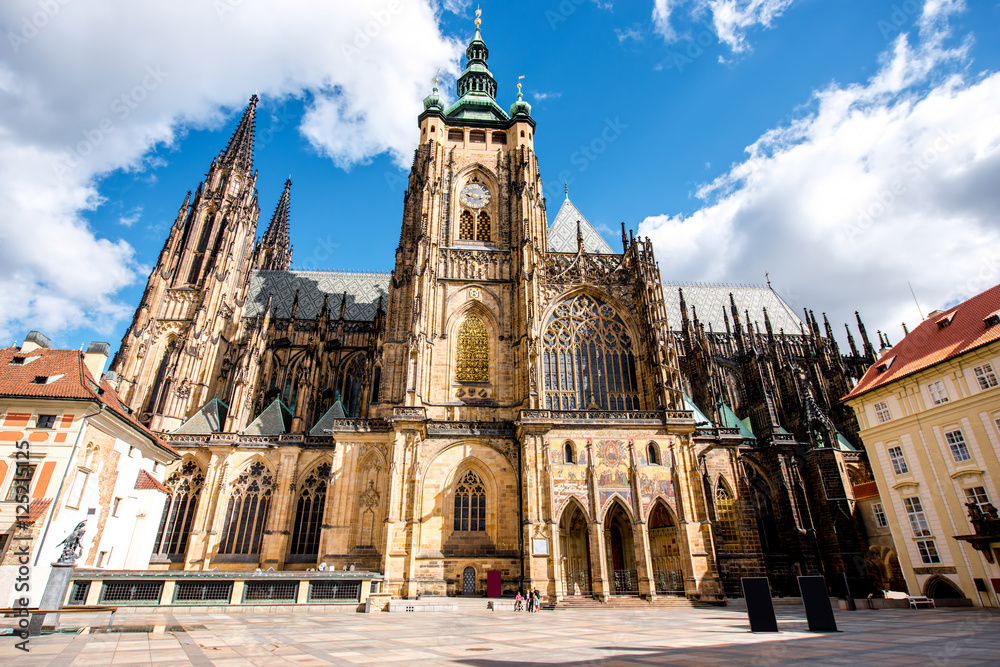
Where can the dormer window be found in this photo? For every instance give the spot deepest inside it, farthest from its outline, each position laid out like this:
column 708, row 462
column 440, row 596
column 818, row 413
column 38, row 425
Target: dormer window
column 884, row 366
column 992, row 319
column 945, row 321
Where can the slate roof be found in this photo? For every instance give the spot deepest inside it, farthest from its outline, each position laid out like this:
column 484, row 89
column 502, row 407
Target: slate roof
column 562, row 233
column 710, row 300
column 274, row 420
column 363, row 292
column 68, row 378
column 209, row 419
column 336, row 411
column 930, row 344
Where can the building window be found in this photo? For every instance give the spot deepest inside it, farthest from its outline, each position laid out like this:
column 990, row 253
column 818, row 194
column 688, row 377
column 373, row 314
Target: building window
column 246, row 514
column 977, row 495
column 728, row 525
column 928, row 552
column 456, row 135
column 898, row 461
column 100, row 558
column 350, row 395
column 79, row 486
column 500, row 137
column 466, row 226
column 184, row 485
column 587, row 358
column 882, row 412
column 959, row 450
column 45, row 421
column 309, row 512
column 652, row 454
column 568, row 451
column 472, row 360
column 985, row 376
column 477, row 137
column 938, row 393
column 23, row 474
column 483, row 227
column 470, row 503
column 915, row 513
column 114, row 506
column 879, row 513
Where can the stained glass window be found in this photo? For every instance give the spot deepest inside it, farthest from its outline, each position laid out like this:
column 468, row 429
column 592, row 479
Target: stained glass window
column 473, row 358
column 483, row 227
column 470, row 503
column 587, row 358
column 178, row 514
column 309, row 512
column 466, row 226
column 725, row 514
column 246, row 514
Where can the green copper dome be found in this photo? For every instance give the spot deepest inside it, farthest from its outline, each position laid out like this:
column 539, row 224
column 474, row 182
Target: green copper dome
column 520, row 107
column 433, row 101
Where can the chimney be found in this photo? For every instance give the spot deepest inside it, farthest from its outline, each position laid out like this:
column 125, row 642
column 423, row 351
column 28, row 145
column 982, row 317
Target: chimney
column 35, row 340
column 96, row 357
column 112, row 378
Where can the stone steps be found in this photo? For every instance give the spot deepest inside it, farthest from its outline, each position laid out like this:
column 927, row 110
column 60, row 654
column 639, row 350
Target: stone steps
column 622, row 602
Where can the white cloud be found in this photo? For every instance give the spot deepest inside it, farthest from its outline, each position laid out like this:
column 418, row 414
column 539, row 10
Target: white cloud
column 633, row 33
column 885, row 182
column 546, row 96
column 82, row 95
column 131, row 217
column 731, row 19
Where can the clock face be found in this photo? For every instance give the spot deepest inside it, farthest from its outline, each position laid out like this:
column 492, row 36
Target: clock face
column 474, row 195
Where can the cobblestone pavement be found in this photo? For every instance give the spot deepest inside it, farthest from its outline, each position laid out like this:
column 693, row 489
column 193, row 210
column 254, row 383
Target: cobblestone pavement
column 568, row 637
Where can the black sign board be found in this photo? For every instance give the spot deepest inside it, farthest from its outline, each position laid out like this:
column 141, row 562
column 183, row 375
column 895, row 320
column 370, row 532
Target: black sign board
column 757, row 592
column 816, row 600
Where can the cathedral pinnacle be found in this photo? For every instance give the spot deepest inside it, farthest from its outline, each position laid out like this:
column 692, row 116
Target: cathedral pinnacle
column 275, row 248
column 239, row 152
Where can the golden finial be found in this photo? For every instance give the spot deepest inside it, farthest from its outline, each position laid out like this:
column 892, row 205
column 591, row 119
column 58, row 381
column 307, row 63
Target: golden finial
column 479, row 13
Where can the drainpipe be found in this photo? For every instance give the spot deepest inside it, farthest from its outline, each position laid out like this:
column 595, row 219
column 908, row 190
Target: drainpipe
column 62, row 483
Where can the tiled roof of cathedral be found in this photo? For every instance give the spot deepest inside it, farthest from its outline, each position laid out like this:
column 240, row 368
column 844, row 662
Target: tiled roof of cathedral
column 562, row 233
column 711, row 300
column 52, row 373
column 363, row 293
column 942, row 336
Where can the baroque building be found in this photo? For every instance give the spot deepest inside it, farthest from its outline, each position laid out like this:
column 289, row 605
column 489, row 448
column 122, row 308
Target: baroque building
column 514, row 397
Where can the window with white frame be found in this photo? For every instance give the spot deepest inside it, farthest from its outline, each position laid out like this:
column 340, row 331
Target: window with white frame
column 938, row 393
column 76, row 491
column 959, row 450
column 977, row 495
column 879, row 513
column 928, row 552
column 898, row 460
column 985, row 376
column 882, row 412
column 915, row 513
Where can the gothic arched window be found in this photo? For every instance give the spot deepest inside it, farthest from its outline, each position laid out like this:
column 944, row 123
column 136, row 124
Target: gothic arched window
column 726, row 520
column 246, row 513
column 470, row 503
column 178, row 514
column 466, row 226
column 472, row 361
column 350, row 394
column 653, row 455
column 483, row 227
column 568, row 450
column 587, row 359
column 309, row 512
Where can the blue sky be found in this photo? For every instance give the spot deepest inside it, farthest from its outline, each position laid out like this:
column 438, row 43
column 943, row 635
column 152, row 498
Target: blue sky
column 841, row 99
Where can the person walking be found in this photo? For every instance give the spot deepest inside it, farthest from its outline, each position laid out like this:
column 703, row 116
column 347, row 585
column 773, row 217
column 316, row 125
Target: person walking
column 531, row 602
column 518, row 602
column 538, row 599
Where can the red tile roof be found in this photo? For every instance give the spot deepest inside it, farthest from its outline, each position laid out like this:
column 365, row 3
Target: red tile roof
column 72, row 381
column 866, row 490
column 145, row 482
column 931, row 344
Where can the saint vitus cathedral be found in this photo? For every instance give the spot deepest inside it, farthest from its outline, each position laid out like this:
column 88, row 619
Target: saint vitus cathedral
column 513, row 397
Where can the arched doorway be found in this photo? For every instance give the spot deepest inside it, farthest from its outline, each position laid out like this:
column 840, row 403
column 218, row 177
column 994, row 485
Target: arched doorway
column 939, row 588
column 469, row 581
column 664, row 548
column 575, row 550
column 620, row 548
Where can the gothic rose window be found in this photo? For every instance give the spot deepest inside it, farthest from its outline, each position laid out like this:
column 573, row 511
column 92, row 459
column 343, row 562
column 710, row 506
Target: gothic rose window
column 472, row 363
column 726, row 521
column 246, row 513
column 466, row 226
column 483, row 227
column 309, row 512
column 470, row 503
column 178, row 514
column 587, row 358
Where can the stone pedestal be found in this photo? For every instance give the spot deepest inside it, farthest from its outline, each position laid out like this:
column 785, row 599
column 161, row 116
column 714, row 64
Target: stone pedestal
column 52, row 598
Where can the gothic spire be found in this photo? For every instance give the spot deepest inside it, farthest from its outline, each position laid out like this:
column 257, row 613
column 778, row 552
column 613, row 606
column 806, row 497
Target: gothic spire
column 850, row 341
column 239, row 152
column 274, row 253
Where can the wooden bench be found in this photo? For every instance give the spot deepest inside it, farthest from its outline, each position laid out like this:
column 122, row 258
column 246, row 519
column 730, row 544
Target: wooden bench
column 916, row 601
column 20, row 611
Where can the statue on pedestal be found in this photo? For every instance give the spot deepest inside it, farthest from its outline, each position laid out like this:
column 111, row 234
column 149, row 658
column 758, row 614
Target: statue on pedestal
column 72, row 549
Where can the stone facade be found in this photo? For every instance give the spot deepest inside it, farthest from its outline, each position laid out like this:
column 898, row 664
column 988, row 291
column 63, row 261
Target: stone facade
column 506, row 400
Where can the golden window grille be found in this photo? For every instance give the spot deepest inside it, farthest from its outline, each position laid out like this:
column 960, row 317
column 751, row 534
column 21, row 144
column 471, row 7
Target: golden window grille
column 725, row 514
column 466, row 226
column 483, row 227
column 473, row 359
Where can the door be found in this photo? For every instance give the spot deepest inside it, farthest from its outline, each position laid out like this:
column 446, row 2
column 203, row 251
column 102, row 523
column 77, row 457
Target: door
column 469, row 581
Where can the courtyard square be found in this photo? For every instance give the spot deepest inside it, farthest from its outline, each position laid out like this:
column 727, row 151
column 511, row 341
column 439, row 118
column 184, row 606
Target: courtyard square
column 479, row 637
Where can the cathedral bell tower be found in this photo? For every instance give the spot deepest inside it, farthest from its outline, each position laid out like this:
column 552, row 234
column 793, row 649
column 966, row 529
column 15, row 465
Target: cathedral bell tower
column 461, row 301
column 175, row 355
